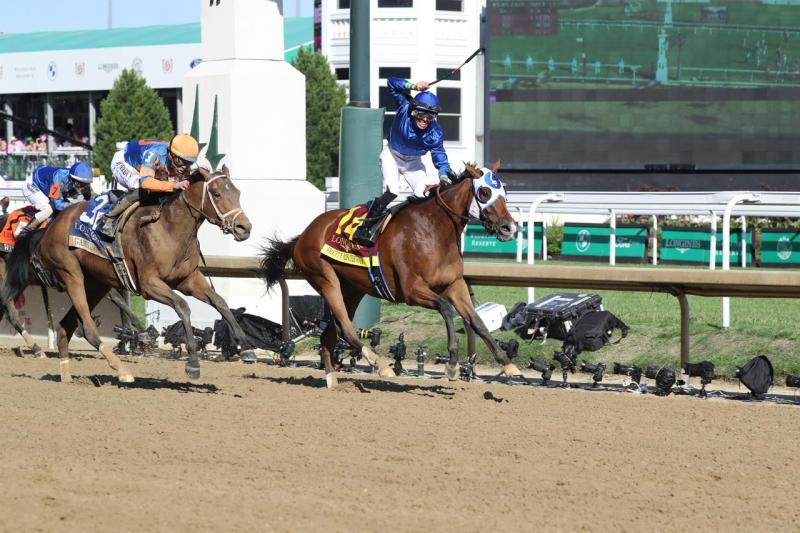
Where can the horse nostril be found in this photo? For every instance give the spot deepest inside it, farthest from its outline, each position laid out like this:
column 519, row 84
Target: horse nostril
column 508, row 228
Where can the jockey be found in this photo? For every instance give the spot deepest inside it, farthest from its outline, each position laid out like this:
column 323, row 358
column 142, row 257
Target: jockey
column 414, row 133
column 135, row 167
column 52, row 189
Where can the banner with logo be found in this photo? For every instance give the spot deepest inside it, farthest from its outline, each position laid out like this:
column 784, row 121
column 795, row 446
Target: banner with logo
column 687, row 246
column 479, row 243
column 780, row 247
column 95, row 69
column 590, row 242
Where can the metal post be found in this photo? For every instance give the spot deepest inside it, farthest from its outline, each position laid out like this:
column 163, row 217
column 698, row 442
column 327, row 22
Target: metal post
column 712, row 262
column 361, row 139
column 743, row 221
column 9, row 123
column 48, row 113
column 612, row 238
column 684, row 302
column 178, row 108
column 726, row 246
column 92, row 119
column 520, row 231
column 655, row 240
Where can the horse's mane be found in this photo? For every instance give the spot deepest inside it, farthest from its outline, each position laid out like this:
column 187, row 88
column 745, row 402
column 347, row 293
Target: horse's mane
column 416, row 200
column 169, row 198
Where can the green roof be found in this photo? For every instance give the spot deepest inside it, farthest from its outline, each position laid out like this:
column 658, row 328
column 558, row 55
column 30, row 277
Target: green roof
column 296, row 32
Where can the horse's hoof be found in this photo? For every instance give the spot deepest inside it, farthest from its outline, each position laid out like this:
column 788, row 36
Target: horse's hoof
column 248, row 356
column 330, row 380
column 511, row 370
column 452, row 372
column 125, row 377
column 38, row 352
column 387, row 372
column 193, row 372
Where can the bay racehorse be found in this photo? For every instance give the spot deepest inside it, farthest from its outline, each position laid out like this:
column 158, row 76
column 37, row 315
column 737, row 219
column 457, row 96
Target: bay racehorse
column 420, row 260
column 161, row 255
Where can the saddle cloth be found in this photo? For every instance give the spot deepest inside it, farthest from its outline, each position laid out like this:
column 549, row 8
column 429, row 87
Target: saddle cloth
column 15, row 223
column 84, row 235
column 339, row 244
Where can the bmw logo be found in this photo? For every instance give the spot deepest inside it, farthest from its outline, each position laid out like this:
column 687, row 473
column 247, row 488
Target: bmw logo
column 52, row 70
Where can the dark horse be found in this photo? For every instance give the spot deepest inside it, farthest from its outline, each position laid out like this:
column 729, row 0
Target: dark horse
column 161, row 255
column 421, row 262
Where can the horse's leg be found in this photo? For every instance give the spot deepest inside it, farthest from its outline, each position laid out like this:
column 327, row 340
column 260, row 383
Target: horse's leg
column 84, row 299
column 13, row 317
column 423, row 296
column 49, row 312
column 326, row 282
column 155, row 289
column 117, row 299
column 196, row 285
column 328, row 341
column 458, row 295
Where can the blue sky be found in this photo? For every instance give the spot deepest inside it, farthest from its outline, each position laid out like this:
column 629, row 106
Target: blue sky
column 25, row 16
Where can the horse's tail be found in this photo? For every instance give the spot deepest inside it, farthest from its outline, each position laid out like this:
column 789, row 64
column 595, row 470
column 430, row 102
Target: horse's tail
column 18, row 267
column 274, row 256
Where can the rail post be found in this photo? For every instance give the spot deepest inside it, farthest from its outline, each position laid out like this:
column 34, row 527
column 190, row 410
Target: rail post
column 550, row 197
column 726, row 246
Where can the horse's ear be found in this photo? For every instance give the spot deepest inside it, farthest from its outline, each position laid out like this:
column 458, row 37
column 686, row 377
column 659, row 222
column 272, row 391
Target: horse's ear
column 203, row 171
column 226, row 170
column 496, row 167
column 473, row 172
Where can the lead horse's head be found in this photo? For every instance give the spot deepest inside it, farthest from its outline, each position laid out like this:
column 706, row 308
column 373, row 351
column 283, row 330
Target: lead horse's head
column 219, row 202
column 489, row 201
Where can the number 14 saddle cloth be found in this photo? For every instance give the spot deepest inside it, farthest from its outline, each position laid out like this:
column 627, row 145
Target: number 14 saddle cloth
column 339, row 246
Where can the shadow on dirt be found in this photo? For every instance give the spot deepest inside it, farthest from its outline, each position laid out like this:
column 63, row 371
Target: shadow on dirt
column 363, row 386
column 140, row 383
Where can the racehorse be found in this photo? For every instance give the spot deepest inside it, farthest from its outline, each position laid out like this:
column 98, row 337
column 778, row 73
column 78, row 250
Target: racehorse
column 162, row 254
column 420, row 260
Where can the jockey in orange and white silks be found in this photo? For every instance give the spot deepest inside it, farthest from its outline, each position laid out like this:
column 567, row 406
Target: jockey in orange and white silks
column 136, row 166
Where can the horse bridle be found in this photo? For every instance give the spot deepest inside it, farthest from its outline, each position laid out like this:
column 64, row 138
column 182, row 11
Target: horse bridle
column 485, row 223
column 225, row 220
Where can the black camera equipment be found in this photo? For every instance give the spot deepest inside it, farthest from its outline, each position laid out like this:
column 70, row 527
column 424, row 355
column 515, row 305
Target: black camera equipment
column 421, row 352
column 756, row 375
column 664, row 378
column 511, row 347
column 285, row 351
column 374, row 336
column 441, row 359
column 567, row 360
column 596, row 370
column 544, row 368
column 634, row 372
column 703, row 370
column 135, row 342
column 793, row 381
column 398, row 351
column 467, row 370
column 175, row 335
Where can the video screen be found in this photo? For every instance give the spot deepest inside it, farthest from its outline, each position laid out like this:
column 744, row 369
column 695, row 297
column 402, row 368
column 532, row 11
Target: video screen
column 644, row 84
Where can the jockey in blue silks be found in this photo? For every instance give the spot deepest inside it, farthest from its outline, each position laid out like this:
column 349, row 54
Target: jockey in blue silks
column 52, row 189
column 414, row 133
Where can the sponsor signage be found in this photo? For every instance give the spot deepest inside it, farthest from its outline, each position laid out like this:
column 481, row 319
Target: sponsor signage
column 780, row 247
column 590, row 242
column 94, row 69
column 693, row 246
column 479, row 243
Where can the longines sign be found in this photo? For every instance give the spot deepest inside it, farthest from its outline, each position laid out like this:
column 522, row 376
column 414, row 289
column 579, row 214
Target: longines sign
column 95, row 69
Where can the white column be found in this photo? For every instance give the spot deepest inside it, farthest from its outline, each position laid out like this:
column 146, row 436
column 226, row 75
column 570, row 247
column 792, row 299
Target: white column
column 9, row 125
column 655, row 240
column 179, row 108
column 92, row 119
column 48, row 113
column 612, row 238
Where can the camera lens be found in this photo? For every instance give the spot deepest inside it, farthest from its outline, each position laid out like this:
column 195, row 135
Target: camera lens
column 792, row 381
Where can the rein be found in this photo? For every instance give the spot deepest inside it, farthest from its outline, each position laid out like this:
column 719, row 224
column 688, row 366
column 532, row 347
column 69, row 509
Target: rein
column 223, row 220
column 462, row 218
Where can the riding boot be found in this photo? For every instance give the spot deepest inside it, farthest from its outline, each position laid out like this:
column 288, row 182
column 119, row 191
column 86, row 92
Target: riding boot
column 108, row 226
column 33, row 225
column 367, row 233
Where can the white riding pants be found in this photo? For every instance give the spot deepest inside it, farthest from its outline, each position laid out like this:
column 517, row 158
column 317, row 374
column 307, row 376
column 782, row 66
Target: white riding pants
column 394, row 165
column 37, row 199
column 125, row 176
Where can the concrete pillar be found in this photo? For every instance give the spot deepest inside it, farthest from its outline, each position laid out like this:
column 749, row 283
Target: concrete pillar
column 92, row 119
column 48, row 113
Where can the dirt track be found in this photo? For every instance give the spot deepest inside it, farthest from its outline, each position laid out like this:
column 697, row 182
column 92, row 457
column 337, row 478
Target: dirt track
column 266, row 448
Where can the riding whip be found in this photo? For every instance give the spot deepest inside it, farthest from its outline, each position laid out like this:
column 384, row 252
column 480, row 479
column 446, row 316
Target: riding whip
column 455, row 70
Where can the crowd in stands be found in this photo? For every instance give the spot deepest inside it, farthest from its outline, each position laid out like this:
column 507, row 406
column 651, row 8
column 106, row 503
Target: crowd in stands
column 29, row 144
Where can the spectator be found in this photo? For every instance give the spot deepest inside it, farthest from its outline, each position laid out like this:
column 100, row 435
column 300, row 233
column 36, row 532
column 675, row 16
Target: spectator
column 3, row 146
column 41, row 143
column 16, row 145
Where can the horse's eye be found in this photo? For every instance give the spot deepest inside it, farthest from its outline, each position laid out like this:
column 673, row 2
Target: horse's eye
column 484, row 194
column 215, row 194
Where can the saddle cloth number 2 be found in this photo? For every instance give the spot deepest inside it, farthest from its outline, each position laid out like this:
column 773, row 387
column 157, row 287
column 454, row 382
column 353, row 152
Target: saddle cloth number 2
column 348, row 226
column 91, row 214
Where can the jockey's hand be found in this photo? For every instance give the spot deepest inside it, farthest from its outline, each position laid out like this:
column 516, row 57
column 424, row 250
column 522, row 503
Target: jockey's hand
column 180, row 185
column 421, row 86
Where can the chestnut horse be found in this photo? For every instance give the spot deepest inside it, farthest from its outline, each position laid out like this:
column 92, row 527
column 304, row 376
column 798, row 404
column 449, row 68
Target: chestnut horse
column 420, row 259
column 162, row 255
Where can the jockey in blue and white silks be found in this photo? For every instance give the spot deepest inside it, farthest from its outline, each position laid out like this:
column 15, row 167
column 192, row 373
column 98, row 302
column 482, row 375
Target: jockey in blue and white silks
column 52, row 189
column 413, row 134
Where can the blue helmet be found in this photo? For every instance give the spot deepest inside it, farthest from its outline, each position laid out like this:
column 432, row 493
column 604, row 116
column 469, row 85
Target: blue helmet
column 426, row 102
column 81, row 172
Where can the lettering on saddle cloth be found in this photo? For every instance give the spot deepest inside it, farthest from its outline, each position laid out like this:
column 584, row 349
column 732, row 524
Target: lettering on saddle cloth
column 15, row 223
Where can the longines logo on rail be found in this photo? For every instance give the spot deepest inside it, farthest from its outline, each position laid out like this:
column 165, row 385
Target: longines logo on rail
column 108, row 67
